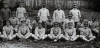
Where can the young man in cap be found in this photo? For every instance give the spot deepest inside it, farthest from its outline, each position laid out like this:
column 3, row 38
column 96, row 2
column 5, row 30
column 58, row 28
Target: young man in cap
column 76, row 14
column 49, row 24
column 43, row 13
column 70, row 33
column 55, row 33
column 6, row 13
column 35, row 23
column 94, row 25
column 59, row 16
column 67, row 20
column 80, row 23
column 20, row 11
column 13, row 19
column 28, row 22
column 8, row 32
column 40, row 32
column 86, row 34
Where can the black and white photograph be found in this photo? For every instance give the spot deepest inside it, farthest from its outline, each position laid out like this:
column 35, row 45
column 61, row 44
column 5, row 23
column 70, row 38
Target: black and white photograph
column 49, row 23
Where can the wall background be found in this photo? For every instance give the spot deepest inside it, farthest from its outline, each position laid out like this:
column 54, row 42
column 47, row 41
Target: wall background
column 91, row 4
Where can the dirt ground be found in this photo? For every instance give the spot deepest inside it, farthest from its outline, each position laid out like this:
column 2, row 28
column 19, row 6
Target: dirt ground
column 47, row 44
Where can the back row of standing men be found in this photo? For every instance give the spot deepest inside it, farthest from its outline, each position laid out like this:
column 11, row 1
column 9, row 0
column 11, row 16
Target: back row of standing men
column 43, row 26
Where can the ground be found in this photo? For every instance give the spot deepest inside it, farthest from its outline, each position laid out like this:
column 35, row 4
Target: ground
column 47, row 44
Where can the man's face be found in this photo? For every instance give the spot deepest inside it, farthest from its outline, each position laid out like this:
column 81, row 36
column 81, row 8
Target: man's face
column 23, row 22
column 86, row 25
column 70, row 25
column 5, row 6
column 13, row 15
column 14, row 25
column 59, row 7
column 21, row 4
column 40, row 25
column 49, row 19
column 44, row 6
column 93, row 19
column 70, row 17
column 37, row 18
column 81, row 19
column 7, row 23
column 75, row 6
column 26, row 15
column 19, row 18
column 55, row 25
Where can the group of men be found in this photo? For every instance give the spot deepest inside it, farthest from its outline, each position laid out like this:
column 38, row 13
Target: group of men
column 70, row 27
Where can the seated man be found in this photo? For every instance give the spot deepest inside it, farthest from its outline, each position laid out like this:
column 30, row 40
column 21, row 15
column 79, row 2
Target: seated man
column 55, row 32
column 13, row 19
column 8, row 32
column 24, row 32
column 49, row 24
column 94, row 25
column 86, row 34
column 70, row 33
column 67, row 20
column 80, row 23
column 27, row 21
column 35, row 23
column 40, row 32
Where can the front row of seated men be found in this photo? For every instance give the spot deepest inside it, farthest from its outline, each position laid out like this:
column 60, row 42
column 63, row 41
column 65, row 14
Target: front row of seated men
column 70, row 33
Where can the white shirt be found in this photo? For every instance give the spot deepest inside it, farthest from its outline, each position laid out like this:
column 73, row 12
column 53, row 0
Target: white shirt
column 8, row 29
column 43, row 13
column 66, row 21
column 55, row 31
column 87, row 32
column 95, row 24
column 70, row 32
column 20, row 12
column 76, row 14
column 58, row 16
column 39, row 32
column 13, row 20
column 23, row 29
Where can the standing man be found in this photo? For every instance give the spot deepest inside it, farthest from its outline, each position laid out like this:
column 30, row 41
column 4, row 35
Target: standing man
column 43, row 13
column 76, row 14
column 59, row 16
column 20, row 11
column 6, row 13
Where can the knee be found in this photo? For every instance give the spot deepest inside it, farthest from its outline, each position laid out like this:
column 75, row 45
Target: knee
column 49, row 35
column 81, row 36
column 93, row 37
column 77, row 36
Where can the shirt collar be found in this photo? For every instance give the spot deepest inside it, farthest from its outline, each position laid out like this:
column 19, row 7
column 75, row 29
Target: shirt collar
column 58, row 10
column 20, row 7
column 75, row 9
column 43, row 8
column 7, row 26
